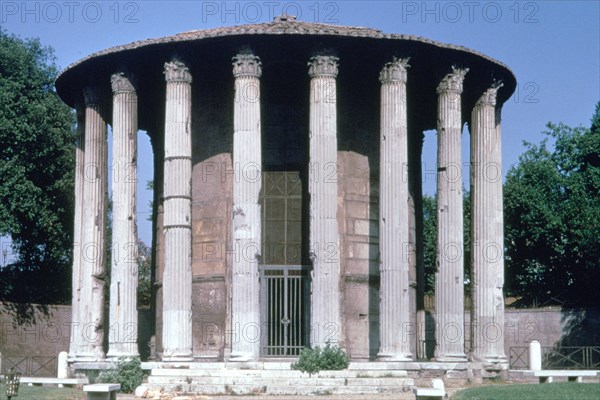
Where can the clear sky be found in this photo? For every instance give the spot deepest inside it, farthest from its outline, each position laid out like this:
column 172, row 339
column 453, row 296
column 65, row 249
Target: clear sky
column 553, row 47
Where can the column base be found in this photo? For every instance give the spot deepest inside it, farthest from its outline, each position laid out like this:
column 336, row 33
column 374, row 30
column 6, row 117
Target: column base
column 385, row 357
column 241, row 357
column 85, row 357
column 177, row 357
column 452, row 358
column 491, row 360
column 115, row 355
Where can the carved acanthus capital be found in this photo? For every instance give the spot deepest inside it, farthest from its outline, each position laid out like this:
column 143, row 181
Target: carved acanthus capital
column 176, row 71
column 394, row 71
column 323, row 66
column 247, row 65
column 488, row 98
column 91, row 95
column 453, row 82
column 122, row 82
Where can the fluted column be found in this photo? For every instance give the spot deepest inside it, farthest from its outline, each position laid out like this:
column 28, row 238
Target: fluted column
column 122, row 338
column 394, row 299
column 323, row 191
column 93, row 229
column 76, row 336
column 247, row 184
column 487, row 239
column 449, row 282
column 177, row 279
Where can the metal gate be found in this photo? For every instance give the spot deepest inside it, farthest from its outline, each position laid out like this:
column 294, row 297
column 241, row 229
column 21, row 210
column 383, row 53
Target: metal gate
column 284, row 296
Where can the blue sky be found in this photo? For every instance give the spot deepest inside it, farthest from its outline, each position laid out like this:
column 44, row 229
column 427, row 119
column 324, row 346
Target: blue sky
column 553, row 47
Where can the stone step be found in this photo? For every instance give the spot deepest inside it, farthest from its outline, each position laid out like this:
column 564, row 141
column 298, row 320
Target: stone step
column 277, row 373
column 280, row 389
column 275, row 381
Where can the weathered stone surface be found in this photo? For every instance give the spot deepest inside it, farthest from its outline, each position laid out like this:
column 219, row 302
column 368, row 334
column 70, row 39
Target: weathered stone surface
column 177, row 280
column 449, row 278
column 487, row 249
column 393, row 215
column 323, row 190
column 122, row 335
column 246, row 226
column 76, row 286
column 89, row 332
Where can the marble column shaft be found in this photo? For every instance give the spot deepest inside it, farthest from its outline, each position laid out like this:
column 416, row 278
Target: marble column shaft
column 76, row 337
column 394, row 251
column 323, row 191
column 487, row 238
column 122, row 338
column 93, row 229
column 247, row 184
column 449, row 282
column 177, row 279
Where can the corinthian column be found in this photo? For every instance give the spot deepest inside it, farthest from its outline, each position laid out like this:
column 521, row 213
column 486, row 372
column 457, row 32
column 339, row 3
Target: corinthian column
column 394, row 309
column 76, row 336
column 122, row 339
column 487, row 248
column 323, row 191
column 93, row 229
column 247, row 184
column 449, row 278
column 177, row 279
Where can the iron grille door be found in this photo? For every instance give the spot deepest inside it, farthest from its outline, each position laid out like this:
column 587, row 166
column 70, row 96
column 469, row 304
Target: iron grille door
column 284, row 290
column 283, row 280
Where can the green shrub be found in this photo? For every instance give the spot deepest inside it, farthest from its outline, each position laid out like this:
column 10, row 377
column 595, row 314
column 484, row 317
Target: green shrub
column 330, row 358
column 129, row 374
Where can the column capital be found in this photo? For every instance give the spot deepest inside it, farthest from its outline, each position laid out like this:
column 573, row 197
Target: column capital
column 323, row 65
column 453, row 82
column 177, row 71
column 488, row 98
column 91, row 96
column 394, row 71
column 247, row 64
column 122, row 82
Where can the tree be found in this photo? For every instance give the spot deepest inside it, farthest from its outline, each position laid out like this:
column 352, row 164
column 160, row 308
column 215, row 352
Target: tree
column 144, row 289
column 429, row 241
column 36, row 174
column 552, row 209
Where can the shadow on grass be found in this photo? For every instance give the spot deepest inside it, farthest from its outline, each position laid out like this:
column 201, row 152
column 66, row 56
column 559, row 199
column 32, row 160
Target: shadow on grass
column 45, row 393
column 547, row 391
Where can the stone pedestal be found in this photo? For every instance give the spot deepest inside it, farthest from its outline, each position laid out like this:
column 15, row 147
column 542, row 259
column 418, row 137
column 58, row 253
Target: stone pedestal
column 91, row 305
column 323, row 191
column 487, row 226
column 177, row 278
column 247, row 184
column 122, row 335
column 394, row 251
column 535, row 356
column 449, row 278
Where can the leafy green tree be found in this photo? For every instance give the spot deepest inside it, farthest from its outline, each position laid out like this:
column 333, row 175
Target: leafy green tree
column 144, row 289
column 36, row 173
column 552, row 214
column 429, row 242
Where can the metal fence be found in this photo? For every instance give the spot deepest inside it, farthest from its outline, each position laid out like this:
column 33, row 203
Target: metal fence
column 561, row 357
column 42, row 366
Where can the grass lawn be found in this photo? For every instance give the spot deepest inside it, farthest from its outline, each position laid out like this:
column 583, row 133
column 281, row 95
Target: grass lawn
column 545, row 391
column 44, row 393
